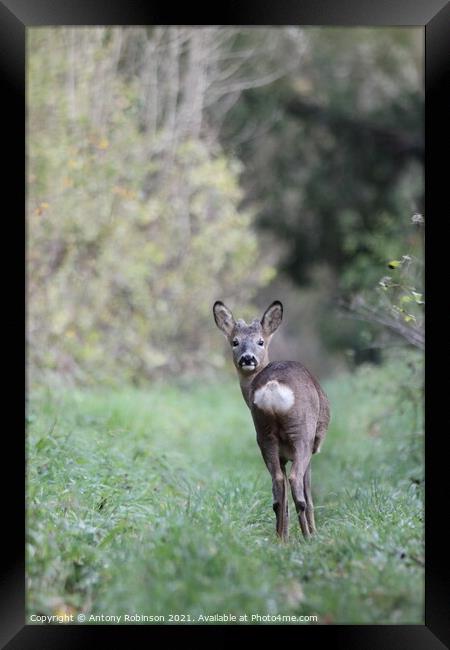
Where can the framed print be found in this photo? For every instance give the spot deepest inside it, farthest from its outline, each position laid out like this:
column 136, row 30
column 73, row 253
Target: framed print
column 197, row 190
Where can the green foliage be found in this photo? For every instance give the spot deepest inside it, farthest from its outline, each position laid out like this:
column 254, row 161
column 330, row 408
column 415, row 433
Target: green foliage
column 397, row 302
column 154, row 151
column 132, row 234
column 342, row 154
column 157, row 501
column 405, row 301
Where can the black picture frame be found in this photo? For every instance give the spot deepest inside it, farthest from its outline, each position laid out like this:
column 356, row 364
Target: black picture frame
column 434, row 17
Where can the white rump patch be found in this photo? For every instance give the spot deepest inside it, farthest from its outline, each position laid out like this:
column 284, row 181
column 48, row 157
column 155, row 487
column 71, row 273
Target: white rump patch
column 274, row 397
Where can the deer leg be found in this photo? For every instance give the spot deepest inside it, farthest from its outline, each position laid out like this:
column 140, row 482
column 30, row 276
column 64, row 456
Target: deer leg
column 286, row 516
column 320, row 435
column 280, row 506
column 272, row 460
column 309, row 501
column 296, row 480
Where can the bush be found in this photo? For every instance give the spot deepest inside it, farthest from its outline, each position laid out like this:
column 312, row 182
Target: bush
column 132, row 235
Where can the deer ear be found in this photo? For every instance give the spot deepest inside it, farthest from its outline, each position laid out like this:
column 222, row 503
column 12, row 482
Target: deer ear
column 272, row 317
column 223, row 317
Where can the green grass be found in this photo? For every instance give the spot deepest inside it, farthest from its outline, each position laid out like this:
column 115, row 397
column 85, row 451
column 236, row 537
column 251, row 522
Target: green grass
column 157, row 501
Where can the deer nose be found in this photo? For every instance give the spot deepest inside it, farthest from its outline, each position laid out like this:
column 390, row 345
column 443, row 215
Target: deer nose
column 247, row 360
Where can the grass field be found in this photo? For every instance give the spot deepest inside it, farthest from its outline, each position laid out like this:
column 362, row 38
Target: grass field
column 156, row 501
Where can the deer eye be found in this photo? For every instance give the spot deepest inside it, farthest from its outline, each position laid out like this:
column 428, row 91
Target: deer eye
column 261, row 342
column 235, row 343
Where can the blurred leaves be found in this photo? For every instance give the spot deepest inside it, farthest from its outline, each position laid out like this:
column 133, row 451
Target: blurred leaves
column 342, row 136
column 395, row 303
column 140, row 222
column 155, row 151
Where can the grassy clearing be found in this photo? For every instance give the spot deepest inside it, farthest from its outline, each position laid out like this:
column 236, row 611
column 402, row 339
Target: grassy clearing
column 157, row 501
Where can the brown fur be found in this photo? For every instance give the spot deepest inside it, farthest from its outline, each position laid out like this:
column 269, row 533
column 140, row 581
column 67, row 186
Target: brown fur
column 293, row 435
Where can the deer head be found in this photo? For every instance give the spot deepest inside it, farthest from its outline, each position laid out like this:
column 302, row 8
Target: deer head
column 249, row 342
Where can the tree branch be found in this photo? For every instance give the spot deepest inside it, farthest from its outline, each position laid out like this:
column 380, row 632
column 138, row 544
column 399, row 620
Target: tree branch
column 414, row 335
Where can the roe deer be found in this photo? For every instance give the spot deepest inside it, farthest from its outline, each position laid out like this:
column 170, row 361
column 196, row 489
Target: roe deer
column 290, row 411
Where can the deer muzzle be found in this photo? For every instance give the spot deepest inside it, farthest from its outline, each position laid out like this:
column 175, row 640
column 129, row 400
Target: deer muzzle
column 247, row 362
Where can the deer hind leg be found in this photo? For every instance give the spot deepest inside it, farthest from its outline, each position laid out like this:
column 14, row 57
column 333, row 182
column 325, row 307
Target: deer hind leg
column 286, row 515
column 296, row 480
column 319, row 437
column 309, row 501
column 280, row 495
column 280, row 506
column 280, row 502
